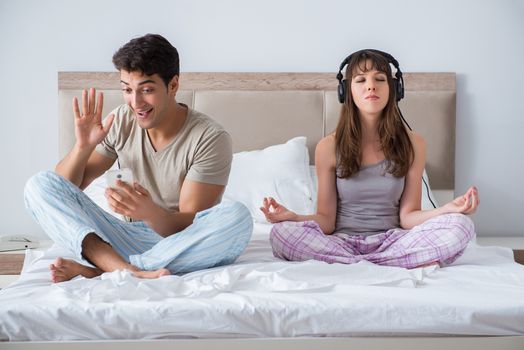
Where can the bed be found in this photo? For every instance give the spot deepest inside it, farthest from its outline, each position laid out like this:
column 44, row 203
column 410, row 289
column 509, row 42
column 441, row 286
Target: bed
column 260, row 302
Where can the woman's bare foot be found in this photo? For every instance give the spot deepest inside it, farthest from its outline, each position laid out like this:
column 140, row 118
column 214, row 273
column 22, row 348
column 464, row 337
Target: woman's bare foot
column 65, row 269
column 434, row 263
column 151, row 274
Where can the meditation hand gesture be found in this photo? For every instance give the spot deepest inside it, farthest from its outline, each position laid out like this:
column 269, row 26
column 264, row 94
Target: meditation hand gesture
column 276, row 212
column 89, row 130
column 465, row 204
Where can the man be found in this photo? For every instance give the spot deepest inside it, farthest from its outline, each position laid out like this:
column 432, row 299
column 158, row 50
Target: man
column 180, row 160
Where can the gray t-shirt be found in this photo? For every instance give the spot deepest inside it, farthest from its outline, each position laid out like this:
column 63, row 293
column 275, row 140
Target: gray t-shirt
column 201, row 152
column 369, row 201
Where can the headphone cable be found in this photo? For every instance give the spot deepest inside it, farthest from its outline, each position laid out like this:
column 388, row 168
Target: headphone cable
column 423, row 180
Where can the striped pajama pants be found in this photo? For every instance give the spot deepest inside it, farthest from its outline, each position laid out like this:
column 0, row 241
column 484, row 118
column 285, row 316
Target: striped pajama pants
column 441, row 239
column 217, row 236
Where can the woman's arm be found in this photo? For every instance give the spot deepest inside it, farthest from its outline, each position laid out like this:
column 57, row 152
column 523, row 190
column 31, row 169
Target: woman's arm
column 411, row 214
column 325, row 217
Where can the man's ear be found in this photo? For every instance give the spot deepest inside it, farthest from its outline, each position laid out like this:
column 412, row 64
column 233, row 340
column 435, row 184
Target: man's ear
column 172, row 87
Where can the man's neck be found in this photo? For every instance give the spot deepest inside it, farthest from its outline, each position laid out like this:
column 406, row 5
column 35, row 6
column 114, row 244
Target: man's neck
column 161, row 135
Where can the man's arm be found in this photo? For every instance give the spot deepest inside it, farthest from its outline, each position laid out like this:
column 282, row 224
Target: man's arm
column 194, row 197
column 136, row 203
column 80, row 171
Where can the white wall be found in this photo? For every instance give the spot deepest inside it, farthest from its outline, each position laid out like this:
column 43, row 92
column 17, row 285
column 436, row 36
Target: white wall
column 481, row 40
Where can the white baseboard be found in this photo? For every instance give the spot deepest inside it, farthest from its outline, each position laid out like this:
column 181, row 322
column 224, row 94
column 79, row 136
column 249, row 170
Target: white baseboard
column 510, row 242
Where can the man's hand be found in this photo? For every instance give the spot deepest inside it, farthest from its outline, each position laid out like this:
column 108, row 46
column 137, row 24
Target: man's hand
column 81, row 165
column 89, row 130
column 133, row 201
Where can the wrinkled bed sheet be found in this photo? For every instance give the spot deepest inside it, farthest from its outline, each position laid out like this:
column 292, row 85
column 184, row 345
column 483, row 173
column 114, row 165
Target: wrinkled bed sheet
column 482, row 293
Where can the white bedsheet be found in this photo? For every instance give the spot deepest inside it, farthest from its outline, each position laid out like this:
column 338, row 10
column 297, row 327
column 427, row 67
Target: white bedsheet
column 261, row 296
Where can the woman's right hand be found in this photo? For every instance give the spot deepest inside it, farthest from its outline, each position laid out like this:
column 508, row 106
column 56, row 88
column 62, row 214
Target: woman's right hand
column 275, row 212
column 89, row 130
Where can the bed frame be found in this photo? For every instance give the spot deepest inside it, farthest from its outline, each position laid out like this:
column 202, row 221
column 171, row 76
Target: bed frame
column 261, row 109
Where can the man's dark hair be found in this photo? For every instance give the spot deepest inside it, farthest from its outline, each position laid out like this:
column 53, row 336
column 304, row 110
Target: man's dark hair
column 149, row 54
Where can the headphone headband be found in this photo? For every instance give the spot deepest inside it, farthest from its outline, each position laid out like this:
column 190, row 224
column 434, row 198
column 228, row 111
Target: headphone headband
column 398, row 81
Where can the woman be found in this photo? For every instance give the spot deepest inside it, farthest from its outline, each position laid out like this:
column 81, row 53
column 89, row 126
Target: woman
column 369, row 184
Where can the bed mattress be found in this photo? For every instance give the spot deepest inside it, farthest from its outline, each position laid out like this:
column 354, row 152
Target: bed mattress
column 482, row 293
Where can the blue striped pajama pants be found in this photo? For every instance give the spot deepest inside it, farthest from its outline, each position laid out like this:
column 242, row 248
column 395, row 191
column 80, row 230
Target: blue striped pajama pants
column 217, row 236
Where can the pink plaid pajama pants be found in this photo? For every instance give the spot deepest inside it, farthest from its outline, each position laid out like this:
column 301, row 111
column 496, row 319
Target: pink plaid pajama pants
column 441, row 239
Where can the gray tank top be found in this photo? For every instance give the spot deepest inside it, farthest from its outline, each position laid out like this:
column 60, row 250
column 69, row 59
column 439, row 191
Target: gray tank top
column 368, row 202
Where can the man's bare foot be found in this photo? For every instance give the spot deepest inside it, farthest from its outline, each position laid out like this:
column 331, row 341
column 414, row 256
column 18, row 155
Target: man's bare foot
column 65, row 269
column 151, row 274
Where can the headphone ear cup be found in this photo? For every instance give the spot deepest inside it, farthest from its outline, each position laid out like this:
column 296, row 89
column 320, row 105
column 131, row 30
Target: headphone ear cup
column 399, row 89
column 342, row 91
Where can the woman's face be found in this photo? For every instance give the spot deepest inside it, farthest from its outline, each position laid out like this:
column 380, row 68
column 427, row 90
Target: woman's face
column 370, row 90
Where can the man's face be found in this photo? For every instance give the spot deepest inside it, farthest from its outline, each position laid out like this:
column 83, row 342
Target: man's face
column 148, row 97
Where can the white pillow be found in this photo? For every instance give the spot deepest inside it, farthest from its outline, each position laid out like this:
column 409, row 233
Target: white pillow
column 279, row 171
column 425, row 205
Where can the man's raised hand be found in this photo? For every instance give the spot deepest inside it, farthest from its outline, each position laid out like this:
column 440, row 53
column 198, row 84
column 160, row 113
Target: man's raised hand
column 89, row 129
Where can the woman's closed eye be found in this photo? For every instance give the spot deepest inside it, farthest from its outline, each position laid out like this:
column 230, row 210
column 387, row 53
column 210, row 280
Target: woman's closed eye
column 363, row 80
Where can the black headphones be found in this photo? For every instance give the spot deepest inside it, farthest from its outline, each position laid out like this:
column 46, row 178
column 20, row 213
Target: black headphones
column 398, row 81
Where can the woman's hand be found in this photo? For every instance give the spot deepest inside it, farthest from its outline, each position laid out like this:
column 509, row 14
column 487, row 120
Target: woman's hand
column 465, row 204
column 276, row 212
column 89, row 130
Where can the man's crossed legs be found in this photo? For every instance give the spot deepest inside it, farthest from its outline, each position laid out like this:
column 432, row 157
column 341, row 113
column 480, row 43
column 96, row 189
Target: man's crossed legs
column 217, row 236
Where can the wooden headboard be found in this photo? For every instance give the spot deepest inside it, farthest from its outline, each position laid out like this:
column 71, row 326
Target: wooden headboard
column 262, row 109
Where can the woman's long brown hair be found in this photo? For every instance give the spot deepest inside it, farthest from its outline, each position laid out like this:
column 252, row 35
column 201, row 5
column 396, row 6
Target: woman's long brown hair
column 394, row 138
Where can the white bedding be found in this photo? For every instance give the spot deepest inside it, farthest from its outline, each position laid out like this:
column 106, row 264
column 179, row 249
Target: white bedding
column 260, row 296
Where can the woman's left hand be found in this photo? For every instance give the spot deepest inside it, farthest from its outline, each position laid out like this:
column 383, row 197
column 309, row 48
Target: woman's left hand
column 466, row 204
